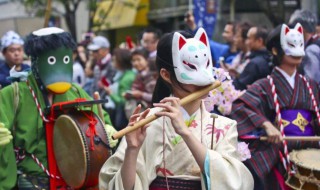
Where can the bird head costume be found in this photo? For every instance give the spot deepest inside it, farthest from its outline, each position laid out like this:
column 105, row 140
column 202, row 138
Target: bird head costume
column 51, row 58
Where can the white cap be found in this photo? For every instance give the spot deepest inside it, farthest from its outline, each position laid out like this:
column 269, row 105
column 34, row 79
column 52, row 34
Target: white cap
column 47, row 31
column 98, row 42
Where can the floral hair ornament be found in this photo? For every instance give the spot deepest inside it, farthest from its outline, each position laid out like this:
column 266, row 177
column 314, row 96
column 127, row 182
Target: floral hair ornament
column 292, row 41
column 192, row 59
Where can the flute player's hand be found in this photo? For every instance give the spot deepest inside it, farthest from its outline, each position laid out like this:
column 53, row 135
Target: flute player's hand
column 171, row 107
column 136, row 138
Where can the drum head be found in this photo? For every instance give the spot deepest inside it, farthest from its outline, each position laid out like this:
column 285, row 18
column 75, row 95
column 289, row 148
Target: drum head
column 309, row 158
column 70, row 151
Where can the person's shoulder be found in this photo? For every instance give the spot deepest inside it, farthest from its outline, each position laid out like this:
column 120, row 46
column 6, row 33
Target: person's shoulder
column 225, row 120
column 130, row 73
column 313, row 48
column 3, row 66
column 25, row 66
column 215, row 44
column 312, row 82
column 22, row 87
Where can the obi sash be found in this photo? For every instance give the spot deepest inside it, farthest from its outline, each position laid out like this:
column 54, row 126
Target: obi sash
column 297, row 122
column 174, row 184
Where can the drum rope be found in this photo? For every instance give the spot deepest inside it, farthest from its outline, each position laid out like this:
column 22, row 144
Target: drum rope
column 37, row 103
column 314, row 102
column 21, row 154
column 43, row 168
column 91, row 131
column 285, row 160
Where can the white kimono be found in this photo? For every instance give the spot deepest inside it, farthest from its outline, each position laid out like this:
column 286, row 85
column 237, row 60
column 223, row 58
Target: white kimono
column 223, row 169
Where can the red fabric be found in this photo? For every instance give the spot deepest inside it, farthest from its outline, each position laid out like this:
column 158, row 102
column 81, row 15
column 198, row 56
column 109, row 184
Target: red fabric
column 280, row 179
column 52, row 164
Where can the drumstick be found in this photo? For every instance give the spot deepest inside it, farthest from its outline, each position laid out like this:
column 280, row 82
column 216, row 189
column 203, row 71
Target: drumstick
column 96, row 96
column 213, row 116
column 184, row 101
column 287, row 138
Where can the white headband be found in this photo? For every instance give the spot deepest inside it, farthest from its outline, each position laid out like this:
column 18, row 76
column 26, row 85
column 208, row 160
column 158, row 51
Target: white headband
column 10, row 38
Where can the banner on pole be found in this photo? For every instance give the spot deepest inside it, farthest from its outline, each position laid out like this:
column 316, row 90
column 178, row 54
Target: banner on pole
column 204, row 12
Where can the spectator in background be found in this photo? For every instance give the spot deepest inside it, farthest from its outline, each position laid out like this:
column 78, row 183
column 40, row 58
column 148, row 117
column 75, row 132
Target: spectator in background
column 228, row 35
column 318, row 27
column 122, row 82
column 78, row 71
column 310, row 65
column 150, row 39
column 144, row 83
column 12, row 50
column 259, row 65
column 101, row 57
column 242, row 58
column 217, row 49
column 83, row 54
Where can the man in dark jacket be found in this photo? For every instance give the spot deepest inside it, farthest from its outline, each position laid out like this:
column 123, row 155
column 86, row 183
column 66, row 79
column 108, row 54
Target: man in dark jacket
column 259, row 65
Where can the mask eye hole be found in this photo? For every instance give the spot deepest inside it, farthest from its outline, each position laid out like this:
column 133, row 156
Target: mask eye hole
column 291, row 45
column 66, row 59
column 191, row 66
column 208, row 62
column 52, row 60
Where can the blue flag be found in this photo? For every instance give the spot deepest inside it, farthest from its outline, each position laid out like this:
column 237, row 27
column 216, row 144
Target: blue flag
column 204, row 12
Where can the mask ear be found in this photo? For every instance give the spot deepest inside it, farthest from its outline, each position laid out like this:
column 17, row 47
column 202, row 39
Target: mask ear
column 284, row 29
column 178, row 41
column 299, row 28
column 201, row 35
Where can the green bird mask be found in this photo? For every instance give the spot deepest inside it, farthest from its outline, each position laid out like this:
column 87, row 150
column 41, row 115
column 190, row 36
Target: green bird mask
column 51, row 54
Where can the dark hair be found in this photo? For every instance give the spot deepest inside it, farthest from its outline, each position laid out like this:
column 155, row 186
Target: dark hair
column 157, row 33
column 262, row 33
column 123, row 58
column 36, row 45
column 306, row 18
column 78, row 58
column 140, row 51
column 244, row 27
column 164, row 60
column 234, row 26
column 273, row 41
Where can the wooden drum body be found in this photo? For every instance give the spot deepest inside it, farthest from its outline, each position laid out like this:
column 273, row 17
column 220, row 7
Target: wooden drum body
column 79, row 160
column 307, row 164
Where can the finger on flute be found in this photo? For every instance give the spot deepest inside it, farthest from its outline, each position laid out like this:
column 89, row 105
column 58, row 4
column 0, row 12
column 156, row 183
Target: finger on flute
column 184, row 101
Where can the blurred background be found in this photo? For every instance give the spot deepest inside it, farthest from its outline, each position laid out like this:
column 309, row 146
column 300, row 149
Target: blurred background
column 117, row 19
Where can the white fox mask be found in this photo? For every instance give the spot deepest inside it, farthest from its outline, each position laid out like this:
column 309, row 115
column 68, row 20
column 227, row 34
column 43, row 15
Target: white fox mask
column 292, row 41
column 192, row 59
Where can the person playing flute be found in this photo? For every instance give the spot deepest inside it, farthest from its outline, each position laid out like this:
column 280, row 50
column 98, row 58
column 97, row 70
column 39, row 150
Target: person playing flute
column 283, row 104
column 174, row 151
